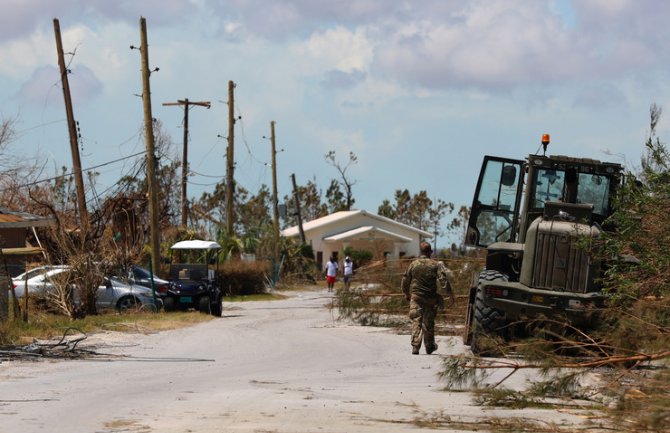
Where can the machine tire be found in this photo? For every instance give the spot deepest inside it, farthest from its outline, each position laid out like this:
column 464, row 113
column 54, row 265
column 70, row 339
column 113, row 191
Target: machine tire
column 204, row 306
column 217, row 308
column 485, row 321
column 169, row 304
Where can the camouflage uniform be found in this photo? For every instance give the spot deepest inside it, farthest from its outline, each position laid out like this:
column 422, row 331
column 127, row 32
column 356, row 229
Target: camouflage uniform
column 422, row 280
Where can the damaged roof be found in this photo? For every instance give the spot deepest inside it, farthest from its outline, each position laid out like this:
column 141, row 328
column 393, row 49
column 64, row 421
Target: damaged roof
column 10, row 219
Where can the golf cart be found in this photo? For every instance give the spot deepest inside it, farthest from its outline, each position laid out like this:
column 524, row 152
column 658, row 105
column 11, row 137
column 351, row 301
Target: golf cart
column 193, row 280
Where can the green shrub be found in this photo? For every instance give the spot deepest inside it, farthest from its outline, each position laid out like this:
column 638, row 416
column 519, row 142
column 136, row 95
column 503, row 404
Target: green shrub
column 359, row 257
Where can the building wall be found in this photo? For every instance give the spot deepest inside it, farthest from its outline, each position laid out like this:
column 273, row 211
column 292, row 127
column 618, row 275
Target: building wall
column 378, row 247
column 13, row 238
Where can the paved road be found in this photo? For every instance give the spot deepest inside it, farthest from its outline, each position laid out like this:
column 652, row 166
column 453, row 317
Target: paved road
column 278, row 366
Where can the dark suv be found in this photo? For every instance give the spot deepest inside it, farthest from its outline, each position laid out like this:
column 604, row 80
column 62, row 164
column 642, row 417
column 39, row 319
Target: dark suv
column 142, row 277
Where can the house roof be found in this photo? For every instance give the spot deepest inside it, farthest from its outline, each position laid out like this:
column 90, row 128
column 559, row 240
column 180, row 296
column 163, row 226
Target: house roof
column 371, row 231
column 196, row 244
column 343, row 215
column 10, row 219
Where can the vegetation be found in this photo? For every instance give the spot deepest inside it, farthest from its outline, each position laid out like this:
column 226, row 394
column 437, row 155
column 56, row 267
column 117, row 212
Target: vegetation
column 375, row 297
column 44, row 325
column 245, row 278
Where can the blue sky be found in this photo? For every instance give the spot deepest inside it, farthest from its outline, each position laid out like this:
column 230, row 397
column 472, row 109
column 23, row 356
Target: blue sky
column 418, row 90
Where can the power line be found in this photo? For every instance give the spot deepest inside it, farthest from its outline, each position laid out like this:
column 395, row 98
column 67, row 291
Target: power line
column 207, row 175
column 71, row 173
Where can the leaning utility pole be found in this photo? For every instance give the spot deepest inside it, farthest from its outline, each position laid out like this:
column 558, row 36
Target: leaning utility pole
column 296, row 196
column 184, row 164
column 230, row 185
column 149, row 132
column 72, row 129
column 275, row 205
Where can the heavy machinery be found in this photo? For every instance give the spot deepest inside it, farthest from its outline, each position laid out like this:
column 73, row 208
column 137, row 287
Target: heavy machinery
column 537, row 219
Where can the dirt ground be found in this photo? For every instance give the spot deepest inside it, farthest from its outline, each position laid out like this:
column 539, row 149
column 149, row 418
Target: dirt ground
column 275, row 366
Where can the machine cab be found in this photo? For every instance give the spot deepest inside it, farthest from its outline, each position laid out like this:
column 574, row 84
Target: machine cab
column 494, row 214
column 497, row 214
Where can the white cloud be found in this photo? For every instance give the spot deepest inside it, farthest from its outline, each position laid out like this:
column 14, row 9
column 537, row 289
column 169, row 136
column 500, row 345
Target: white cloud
column 338, row 48
column 488, row 45
column 44, row 87
column 19, row 58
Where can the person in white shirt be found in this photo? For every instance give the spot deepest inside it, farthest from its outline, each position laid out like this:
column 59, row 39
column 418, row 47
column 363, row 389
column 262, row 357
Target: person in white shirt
column 331, row 272
column 348, row 272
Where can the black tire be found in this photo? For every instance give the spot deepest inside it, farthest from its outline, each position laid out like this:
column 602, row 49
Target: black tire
column 217, row 308
column 169, row 304
column 486, row 322
column 204, row 306
column 127, row 303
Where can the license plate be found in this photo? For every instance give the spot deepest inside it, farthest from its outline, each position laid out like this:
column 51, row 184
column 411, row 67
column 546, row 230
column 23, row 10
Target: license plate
column 185, row 300
column 537, row 299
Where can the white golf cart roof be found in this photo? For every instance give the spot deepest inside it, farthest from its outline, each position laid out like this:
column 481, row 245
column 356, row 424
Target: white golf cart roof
column 196, row 245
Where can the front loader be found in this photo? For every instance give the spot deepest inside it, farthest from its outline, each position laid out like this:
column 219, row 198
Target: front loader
column 537, row 219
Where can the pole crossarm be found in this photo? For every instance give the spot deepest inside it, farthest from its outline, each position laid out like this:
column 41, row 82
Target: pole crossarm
column 187, row 102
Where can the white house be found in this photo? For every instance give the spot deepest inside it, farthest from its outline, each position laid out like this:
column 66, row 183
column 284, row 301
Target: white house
column 360, row 230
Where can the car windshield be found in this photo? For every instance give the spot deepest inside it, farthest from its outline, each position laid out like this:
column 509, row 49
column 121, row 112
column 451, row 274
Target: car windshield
column 31, row 273
column 554, row 185
column 140, row 272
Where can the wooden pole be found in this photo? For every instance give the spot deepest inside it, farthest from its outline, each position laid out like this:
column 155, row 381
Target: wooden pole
column 72, row 130
column 296, row 196
column 230, row 155
column 275, row 204
column 184, row 169
column 151, row 159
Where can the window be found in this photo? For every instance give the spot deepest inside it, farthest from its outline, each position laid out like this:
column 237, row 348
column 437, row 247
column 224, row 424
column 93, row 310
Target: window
column 548, row 186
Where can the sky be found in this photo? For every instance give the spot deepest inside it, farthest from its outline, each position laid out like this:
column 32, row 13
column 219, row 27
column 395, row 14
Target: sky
column 418, row 90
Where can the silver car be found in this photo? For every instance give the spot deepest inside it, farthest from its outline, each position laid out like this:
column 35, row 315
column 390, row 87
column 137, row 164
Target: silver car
column 37, row 279
column 112, row 293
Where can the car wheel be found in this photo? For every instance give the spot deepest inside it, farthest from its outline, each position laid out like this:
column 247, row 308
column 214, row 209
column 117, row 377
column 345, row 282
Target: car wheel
column 169, row 304
column 126, row 303
column 204, row 305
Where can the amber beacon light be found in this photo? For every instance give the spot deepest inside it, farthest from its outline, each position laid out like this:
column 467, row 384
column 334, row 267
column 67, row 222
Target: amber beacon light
column 545, row 143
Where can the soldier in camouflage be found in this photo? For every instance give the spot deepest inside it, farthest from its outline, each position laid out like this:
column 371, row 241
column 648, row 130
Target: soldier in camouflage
column 421, row 282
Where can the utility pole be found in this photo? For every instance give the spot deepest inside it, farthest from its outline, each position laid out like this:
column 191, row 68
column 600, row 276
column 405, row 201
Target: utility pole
column 72, row 130
column 184, row 168
column 296, row 196
column 230, row 185
column 275, row 204
column 151, row 158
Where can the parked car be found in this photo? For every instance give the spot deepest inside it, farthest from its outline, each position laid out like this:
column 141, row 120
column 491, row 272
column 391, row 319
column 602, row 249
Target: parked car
column 112, row 293
column 142, row 277
column 37, row 279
